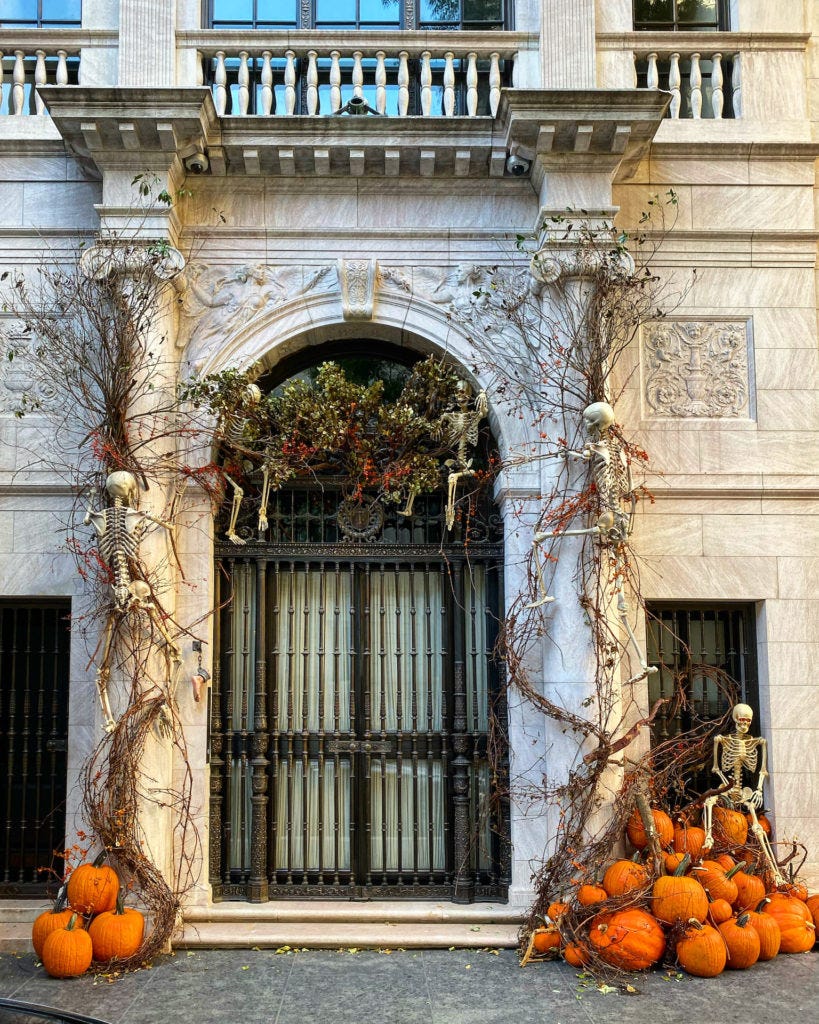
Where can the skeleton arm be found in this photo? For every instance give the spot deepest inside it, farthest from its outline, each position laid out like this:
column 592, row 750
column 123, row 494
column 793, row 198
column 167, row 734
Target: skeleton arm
column 762, row 746
column 716, row 767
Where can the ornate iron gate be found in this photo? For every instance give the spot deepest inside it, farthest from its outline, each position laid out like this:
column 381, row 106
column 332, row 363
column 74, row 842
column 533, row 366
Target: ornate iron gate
column 34, row 674
column 353, row 707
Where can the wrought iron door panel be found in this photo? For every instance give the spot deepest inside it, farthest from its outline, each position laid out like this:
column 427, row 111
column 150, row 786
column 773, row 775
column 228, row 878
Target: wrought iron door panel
column 335, row 768
column 34, row 674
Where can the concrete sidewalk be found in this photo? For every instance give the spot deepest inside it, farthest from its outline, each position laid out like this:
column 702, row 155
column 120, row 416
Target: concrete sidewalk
column 235, row 986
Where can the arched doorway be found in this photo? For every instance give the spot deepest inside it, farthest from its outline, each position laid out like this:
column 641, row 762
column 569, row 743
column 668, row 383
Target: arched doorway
column 354, row 746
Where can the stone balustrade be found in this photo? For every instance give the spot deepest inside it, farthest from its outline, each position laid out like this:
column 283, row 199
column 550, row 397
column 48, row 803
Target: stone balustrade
column 399, row 73
column 703, row 84
column 30, row 58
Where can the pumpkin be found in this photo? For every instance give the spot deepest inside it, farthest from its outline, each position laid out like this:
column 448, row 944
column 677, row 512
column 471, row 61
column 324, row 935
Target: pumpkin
column 741, row 941
column 725, row 861
column 689, row 840
column 797, row 889
column 701, row 951
column 763, row 821
column 556, row 910
column 812, row 903
column 50, row 920
column 623, row 876
column 679, row 897
column 750, row 890
column 770, row 937
column 67, row 951
column 576, row 955
column 719, row 911
column 795, row 922
column 629, row 939
column 730, row 827
column 673, row 860
column 116, row 934
column 712, row 878
column 588, row 895
column 93, row 888
column 635, row 830
column 545, row 939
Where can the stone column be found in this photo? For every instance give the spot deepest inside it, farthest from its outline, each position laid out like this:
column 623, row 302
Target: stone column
column 567, row 46
column 147, row 43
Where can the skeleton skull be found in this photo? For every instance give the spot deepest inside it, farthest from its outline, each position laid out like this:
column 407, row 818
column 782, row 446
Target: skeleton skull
column 598, row 416
column 742, row 715
column 122, row 484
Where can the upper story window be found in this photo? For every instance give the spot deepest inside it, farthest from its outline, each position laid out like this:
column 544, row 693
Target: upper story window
column 681, row 15
column 40, row 13
column 356, row 14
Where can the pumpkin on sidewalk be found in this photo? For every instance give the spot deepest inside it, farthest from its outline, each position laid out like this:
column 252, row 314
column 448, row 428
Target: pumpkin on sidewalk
column 116, row 934
column 67, row 952
column 50, row 920
column 93, row 888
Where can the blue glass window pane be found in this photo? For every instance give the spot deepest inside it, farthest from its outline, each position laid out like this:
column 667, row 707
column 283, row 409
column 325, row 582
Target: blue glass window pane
column 233, row 11
column 382, row 12
column 61, row 11
column 336, row 11
column 277, row 12
column 440, row 10
column 18, row 10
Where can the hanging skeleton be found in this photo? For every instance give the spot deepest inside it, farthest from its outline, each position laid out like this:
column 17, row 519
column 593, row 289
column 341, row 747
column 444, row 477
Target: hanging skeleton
column 734, row 756
column 231, row 438
column 613, row 484
column 459, row 430
column 119, row 528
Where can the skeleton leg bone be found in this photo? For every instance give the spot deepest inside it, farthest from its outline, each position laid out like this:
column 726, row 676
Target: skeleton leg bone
column 764, row 842
column 537, row 541
column 452, row 486
column 238, row 494
column 264, row 499
column 104, row 674
column 407, row 510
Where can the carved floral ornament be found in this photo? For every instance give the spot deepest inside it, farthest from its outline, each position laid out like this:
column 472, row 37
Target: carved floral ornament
column 20, row 383
column 696, row 368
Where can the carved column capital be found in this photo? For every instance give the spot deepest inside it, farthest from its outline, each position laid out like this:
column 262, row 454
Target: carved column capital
column 131, row 259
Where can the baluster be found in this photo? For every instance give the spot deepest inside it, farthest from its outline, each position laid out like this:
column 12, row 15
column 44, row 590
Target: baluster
column 426, row 83
column 244, row 83
column 449, row 83
column 358, row 75
column 312, row 82
column 472, row 84
column 62, row 68
column 653, row 74
column 494, row 82
column 736, row 84
column 674, row 86
column 220, row 83
column 18, row 89
column 39, row 79
column 403, row 83
column 335, row 81
column 200, row 68
column 380, row 83
column 290, row 83
column 696, row 87
column 267, row 83
column 716, row 85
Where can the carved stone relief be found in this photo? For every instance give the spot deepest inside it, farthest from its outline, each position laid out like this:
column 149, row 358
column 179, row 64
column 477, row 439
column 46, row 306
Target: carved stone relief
column 696, row 368
column 19, row 380
column 458, row 288
column 357, row 279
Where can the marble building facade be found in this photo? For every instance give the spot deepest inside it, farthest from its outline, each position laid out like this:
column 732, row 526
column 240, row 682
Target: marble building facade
column 305, row 229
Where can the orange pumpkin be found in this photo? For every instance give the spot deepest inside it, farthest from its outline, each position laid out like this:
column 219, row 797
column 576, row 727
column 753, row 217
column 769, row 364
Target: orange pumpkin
column 741, row 941
column 93, row 888
column 794, row 888
column 635, row 830
column 623, row 876
column 629, row 939
column 812, row 903
column 712, row 878
column 795, row 922
column 67, row 951
column 763, row 821
column 725, row 861
column 556, row 910
column 750, row 890
column 770, row 937
column 673, row 860
column 50, row 920
column 689, row 840
column 545, row 939
column 588, row 895
column 719, row 911
column 701, row 951
column 730, row 827
column 116, row 934
column 576, row 954
column 678, row 898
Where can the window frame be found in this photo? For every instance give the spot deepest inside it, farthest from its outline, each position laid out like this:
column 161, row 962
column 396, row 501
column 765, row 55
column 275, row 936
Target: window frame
column 722, row 24
column 39, row 22
column 406, row 9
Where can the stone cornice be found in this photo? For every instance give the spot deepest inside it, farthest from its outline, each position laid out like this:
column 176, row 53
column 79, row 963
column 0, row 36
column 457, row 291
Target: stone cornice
column 712, row 42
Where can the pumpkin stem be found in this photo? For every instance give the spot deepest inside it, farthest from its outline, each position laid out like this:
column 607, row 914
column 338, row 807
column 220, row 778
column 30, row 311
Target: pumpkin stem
column 736, row 868
column 683, row 866
column 101, row 856
column 119, row 910
column 70, row 926
column 743, row 919
column 60, row 899
column 761, row 905
column 694, row 923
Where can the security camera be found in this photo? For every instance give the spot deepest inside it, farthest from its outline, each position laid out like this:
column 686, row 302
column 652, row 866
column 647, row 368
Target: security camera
column 516, row 165
column 197, row 163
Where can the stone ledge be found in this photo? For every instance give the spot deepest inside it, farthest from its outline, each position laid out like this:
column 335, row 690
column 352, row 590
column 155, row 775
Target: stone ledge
column 331, row 935
column 347, row 911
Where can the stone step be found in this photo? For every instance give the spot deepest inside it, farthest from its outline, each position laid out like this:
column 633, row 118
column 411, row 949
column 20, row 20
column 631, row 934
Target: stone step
column 15, row 938
column 354, row 912
column 346, row 935
column 21, row 911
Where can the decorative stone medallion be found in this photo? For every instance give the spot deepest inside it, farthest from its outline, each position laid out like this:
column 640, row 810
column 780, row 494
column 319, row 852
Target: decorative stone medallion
column 696, row 368
column 357, row 279
column 360, row 521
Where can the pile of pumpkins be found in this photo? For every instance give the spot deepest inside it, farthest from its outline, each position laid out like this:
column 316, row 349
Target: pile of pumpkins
column 713, row 913
column 94, row 926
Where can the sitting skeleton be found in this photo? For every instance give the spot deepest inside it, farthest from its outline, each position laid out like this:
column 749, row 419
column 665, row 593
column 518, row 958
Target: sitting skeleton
column 735, row 756
column 119, row 528
column 613, row 484
column 459, row 429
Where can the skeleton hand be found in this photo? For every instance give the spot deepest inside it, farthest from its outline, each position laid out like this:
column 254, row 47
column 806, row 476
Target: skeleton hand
column 755, row 799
